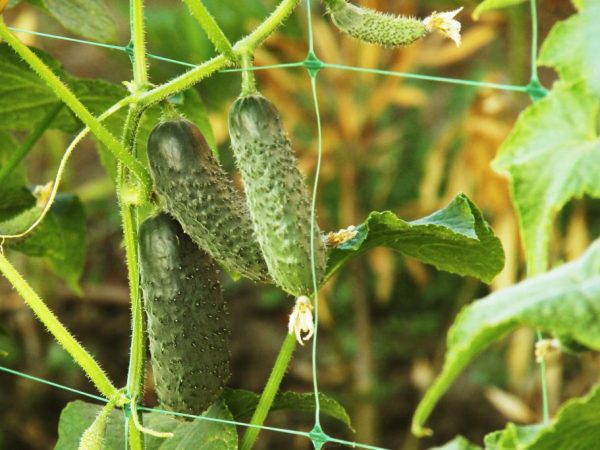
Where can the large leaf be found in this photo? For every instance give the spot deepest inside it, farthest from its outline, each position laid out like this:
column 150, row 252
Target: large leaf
column 572, row 49
column 575, row 427
column 13, row 191
column 25, row 100
column 488, row 5
column 199, row 434
column 87, row 18
column 205, row 435
column 77, row 416
column 455, row 239
column 551, row 156
column 242, row 404
column 60, row 239
column 564, row 301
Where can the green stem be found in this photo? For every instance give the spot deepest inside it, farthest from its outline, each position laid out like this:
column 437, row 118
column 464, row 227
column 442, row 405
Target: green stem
column 57, row 329
column 247, row 44
column 534, row 42
column 212, row 28
column 248, row 78
column 140, row 66
column 270, row 24
column 22, row 151
column 271, row 388
column 183, row 81
column 129, row 215
column 65, row 94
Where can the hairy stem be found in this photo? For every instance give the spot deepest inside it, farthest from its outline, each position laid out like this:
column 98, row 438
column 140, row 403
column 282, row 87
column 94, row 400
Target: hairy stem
column 65, row 94
column 193, row 76
column 212, row 28
column 271, row 388
column 140, row 66
column 57, row 329
column 31, row 140
column 248, row 79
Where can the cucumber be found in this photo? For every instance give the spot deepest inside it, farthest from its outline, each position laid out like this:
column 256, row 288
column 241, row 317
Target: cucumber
column 188, row 322
column 375, row 27
column 276, row 194
column 197, row 192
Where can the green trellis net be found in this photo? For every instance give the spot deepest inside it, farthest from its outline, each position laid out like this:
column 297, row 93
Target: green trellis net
column 313, row 66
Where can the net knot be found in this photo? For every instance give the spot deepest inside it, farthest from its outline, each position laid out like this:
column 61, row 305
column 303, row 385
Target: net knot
column 318, row 437
column 312, row 63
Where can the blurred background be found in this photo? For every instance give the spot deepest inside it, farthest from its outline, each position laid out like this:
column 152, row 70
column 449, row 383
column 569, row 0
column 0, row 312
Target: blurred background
column 389, row 144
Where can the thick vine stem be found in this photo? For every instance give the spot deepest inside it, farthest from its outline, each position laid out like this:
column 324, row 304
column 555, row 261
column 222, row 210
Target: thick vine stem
column 248, row 78
column 212, row 28
column 65, row 94
column 57, row 329
column 249, row 43
column 140, row 66
column 271, row 389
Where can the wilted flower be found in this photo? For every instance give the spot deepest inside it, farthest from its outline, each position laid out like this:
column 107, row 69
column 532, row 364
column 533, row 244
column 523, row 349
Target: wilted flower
column 301, row 320
column 444, row 22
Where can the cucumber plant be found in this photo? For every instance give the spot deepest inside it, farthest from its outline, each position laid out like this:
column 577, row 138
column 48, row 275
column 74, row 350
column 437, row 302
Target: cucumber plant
column 164, row 163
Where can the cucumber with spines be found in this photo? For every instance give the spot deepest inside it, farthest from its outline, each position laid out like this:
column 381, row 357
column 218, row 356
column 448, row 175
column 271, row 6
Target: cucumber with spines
column 196, row 191
column 187, row 319
column 276, row 194
column 374, row 27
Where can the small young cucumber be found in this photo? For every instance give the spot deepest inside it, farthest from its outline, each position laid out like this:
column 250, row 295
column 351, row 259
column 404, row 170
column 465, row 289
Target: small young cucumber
column 198, row 193
column 375, row 27
column 276, row 194
column 188, row 322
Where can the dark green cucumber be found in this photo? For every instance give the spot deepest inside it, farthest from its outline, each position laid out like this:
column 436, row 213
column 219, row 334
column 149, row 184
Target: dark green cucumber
column 198, row 193
column 188, row 322
column 276, row 194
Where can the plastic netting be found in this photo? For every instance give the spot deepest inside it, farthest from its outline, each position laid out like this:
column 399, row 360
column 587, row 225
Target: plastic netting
column 313, row 66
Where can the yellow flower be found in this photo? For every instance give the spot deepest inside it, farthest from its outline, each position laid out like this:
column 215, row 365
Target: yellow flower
column 301, row 320
column 444, row 22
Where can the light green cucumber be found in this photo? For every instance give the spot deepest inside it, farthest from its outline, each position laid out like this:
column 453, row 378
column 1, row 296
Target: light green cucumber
column 276, row 194
column 375, row 27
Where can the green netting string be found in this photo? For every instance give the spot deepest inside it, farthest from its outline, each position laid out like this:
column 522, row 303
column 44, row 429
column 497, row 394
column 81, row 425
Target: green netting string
column 126, row 411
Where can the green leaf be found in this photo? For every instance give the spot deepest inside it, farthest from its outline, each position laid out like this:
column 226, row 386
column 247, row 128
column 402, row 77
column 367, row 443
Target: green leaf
column 488, row 5
column 199, row 434
column 564, row 301
column 512, row 437
column 88, row 18
column 61, row 239
column 25, row 100
column 576, row 426
column 77, row 416
column 458, row 443
column 16, row 178
column 242, row 404
column 551, row 156
column 15, row 196
column 572, row 49
column 455, row 239
column 205, row 435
